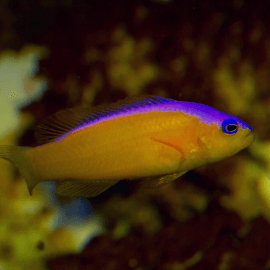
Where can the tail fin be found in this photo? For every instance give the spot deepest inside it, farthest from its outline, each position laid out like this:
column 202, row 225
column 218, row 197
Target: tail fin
column 17, row 155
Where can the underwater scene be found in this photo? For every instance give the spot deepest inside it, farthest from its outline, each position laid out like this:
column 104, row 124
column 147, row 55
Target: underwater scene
column 122, row 119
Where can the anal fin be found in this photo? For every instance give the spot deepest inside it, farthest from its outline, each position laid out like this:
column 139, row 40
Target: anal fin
column 159, row 181
column 75, row 188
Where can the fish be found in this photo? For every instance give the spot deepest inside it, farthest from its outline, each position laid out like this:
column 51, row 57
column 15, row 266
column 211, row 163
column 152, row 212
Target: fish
column 151, row 139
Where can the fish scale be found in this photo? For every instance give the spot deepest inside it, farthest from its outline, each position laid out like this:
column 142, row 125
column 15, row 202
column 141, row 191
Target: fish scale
column 152, row 139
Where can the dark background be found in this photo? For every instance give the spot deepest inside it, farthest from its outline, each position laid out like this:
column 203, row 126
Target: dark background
column 210, row 52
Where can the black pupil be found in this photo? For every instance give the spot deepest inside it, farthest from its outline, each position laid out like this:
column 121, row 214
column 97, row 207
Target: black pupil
column 231, row 128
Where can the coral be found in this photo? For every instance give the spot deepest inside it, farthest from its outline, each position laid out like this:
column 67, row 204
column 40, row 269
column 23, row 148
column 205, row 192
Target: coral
column 210, row 52
column 33, row 228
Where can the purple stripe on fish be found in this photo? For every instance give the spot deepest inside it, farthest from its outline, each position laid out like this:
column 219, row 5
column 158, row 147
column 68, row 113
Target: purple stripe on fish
column 205, row 113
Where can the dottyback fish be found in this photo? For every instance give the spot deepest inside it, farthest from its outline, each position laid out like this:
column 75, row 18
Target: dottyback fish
column 154, row 139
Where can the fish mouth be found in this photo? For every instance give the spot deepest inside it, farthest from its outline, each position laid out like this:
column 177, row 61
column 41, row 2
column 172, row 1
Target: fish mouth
column 252, row 137
column 250, row 132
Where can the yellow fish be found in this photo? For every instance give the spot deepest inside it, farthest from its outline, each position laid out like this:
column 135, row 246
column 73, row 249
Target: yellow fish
column 150, row 138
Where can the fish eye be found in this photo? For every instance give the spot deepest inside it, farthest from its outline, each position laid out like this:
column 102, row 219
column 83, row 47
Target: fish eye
column 229, row 126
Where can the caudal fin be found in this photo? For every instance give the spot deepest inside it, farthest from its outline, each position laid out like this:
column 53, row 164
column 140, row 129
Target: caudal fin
column 18, row 156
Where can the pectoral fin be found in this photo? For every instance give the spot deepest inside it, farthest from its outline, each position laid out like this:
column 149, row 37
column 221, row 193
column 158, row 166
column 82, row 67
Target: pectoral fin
column 171, row 144
column 75, row 188
column 159, row 181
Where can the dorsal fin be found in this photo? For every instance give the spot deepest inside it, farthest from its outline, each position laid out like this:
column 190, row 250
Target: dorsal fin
column 58, row 124
column 64, row 121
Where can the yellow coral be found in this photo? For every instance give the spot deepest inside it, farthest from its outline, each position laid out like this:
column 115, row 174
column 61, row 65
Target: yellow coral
column 28, row 234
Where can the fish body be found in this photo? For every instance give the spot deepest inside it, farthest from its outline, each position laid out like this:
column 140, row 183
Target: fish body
column 152, row 138
column 111, row 150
